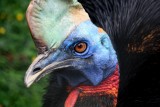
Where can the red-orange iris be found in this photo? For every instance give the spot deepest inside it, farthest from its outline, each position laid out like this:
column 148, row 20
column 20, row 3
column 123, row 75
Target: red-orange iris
column 80, row 47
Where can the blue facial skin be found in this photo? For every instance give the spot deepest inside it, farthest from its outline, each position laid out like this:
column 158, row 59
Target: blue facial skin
column 96, row 63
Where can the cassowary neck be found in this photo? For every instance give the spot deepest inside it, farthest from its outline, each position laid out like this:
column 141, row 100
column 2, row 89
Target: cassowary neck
column 102, row 95
column 106, row 90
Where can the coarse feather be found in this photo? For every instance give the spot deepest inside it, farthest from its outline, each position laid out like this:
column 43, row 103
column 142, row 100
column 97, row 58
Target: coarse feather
column 134, row 28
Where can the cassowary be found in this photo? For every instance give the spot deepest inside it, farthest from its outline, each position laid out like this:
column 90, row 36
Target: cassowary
column 134, row 29
column 80, row 56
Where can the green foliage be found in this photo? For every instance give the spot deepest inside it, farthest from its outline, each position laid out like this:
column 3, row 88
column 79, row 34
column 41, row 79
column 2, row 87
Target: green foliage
column 17, row 51
column 15, row 94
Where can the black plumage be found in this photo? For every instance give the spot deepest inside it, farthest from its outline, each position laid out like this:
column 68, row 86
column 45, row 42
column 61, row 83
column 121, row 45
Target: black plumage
column 56, row 95
column 134, row 28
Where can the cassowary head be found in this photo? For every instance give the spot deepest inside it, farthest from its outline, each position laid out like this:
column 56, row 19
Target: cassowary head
column 67, row 39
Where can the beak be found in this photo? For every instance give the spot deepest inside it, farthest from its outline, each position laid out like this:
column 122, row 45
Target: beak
column 45, row 64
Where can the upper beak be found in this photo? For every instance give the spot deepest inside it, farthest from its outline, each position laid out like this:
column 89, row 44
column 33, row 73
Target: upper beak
column 43, row 65
column 30, row 76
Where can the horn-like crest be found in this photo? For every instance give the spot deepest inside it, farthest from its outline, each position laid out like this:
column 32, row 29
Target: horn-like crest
column 50, row 21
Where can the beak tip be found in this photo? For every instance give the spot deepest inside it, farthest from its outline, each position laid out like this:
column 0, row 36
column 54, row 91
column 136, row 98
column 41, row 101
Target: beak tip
column 27, row 83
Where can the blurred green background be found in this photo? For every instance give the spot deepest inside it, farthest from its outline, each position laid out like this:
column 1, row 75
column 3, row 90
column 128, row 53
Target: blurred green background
column 17, row 51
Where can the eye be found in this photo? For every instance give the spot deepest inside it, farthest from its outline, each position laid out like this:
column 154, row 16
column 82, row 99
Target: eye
column 80, row 47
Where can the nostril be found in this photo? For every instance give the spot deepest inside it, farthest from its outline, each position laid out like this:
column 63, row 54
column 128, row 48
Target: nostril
column 36, row 69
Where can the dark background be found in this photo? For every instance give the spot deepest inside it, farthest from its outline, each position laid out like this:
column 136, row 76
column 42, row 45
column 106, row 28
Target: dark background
column 17, row 51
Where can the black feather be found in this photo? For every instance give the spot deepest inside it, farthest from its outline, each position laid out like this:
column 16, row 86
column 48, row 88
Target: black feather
column 96, row 100
column 134, row 28
column 56, row 94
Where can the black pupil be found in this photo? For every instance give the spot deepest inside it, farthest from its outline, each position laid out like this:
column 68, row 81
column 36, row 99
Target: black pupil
column 80, row 46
